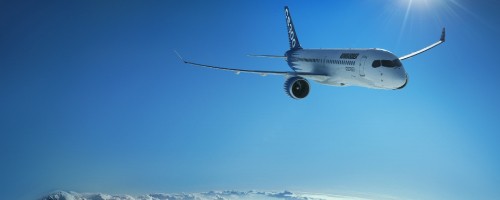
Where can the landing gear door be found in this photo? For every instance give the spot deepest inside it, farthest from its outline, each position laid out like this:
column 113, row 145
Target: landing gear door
column 361, row 66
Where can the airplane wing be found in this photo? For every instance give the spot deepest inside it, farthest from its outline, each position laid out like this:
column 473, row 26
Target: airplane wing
column 260, row 72
column 441, row 40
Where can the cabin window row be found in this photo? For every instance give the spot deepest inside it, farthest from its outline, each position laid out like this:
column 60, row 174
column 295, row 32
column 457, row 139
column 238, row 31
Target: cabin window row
column 341, row 62
column 337, row 62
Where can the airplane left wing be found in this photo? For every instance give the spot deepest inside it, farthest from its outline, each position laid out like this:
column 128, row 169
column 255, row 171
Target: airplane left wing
column 260, row 72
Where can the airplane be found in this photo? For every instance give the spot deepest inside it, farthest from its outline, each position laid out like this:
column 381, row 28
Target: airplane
column 370, row 67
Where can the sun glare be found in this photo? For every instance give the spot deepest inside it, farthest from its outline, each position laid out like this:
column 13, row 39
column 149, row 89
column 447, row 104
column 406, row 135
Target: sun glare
column 411, row 14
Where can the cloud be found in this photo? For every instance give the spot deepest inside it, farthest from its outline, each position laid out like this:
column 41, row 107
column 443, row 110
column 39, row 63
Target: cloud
column 212, row 195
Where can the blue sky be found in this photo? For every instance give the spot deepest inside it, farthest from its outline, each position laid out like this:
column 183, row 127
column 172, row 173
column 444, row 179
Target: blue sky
column 92, row 99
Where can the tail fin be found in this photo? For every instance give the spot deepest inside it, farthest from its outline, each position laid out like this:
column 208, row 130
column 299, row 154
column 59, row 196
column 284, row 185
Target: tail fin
column 292, row 36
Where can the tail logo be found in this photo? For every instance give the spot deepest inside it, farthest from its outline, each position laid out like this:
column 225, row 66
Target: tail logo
column 291, row 33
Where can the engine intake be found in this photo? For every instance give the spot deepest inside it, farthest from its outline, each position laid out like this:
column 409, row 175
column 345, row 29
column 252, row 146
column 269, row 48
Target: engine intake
column 297, row 87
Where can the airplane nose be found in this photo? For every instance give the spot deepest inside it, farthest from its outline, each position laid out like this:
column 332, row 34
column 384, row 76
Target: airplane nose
column 403, row 80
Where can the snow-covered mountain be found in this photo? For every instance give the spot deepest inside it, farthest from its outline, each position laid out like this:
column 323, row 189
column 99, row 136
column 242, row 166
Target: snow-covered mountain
column 213, row 195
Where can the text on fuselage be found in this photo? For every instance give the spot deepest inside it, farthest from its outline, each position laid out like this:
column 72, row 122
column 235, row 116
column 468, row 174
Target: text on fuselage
column 349, row 55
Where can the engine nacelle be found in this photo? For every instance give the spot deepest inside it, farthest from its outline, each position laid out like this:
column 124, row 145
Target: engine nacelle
column 297, row 87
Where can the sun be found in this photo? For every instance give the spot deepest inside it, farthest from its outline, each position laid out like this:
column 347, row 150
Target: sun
column 416, row 14
column 420, row 7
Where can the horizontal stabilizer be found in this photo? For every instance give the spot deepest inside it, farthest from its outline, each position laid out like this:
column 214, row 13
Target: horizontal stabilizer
column 267, row 56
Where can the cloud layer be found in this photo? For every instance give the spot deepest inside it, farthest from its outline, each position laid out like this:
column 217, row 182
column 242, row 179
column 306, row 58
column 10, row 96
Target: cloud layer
column 213, row 195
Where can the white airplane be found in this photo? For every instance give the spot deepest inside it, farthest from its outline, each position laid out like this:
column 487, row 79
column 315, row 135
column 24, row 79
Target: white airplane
column 371, row 68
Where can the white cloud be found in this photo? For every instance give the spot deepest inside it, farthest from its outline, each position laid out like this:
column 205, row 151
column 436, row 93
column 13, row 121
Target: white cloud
column 213, row 195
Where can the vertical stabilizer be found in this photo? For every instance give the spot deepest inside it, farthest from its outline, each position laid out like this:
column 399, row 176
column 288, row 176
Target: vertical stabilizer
column 292, row 35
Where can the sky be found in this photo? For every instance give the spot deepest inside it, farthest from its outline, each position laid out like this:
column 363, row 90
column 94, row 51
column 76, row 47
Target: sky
column 93, row 99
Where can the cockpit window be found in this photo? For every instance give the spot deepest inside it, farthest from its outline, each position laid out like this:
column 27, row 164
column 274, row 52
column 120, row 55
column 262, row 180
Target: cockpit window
column 387, row 63
column 397, row 63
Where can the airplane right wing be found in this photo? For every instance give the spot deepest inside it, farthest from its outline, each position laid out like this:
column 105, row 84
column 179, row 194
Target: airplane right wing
column 441, row 40
column 315, row 76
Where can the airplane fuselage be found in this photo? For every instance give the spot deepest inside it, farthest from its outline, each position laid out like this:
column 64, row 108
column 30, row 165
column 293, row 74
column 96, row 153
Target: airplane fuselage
column 372, row 68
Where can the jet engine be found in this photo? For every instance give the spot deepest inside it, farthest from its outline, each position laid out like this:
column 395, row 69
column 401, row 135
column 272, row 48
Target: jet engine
column 297, row 87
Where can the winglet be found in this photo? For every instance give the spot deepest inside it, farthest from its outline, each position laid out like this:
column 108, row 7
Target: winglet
column 180, row 57
column 443, row 35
